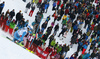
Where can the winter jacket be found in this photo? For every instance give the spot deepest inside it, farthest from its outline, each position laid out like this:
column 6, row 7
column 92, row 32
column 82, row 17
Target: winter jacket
column 18, row 16
column 66, row 11
column 97, row 16
column 40, row 1
column 49, row 29
column 48, row 18
column 86, row 56
column 59, row 49
column 98, row 32
column 44, row 37
column 33, row 23
column 21, row 38
column 44, row 25
column 16, row 35
column 83, row 56
column 28, row 5
column 12, row 14
column 93, row 55
column 54, row 4
column 48, row 49
column 58, row 2
column 75, row 27
column 56, row 46
column 36, row 1
column 33, row 1
column 71, row 57
column 32, row 8
column 72, row 16
column 39, row 35
column 20, row 26
column 2, row 5
column 56, row 27
column 64, row 17
column 22, row 21
column 12, row 25
column 52, row 24
column 46, row 5
column 26, row 24
column 62, row 5
column 92, row 27
column 8, row 22
column 38, row 18
column 73, row 40
column 53, row 43
column 64, row 21
column 87, row 14
column 84, row 46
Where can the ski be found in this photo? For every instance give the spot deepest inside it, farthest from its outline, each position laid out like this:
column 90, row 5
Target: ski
column 20, row 44
column 9, row 38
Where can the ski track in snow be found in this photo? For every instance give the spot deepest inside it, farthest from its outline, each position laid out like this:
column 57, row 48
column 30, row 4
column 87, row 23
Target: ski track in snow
column 20, row 5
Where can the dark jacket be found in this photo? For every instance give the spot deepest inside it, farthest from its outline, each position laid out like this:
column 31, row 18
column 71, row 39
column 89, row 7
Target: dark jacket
column 32, row 8
column 28, row 5
column 93, row 55
column 56, row 27
column 44, row 25
column 18, row 16
column 49, row 29
column 45, row 37
column 72, row 16
column 12, row 14
column 87, row 21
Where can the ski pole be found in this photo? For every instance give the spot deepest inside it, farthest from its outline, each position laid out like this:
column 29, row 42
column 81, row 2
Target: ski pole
column 35, row 35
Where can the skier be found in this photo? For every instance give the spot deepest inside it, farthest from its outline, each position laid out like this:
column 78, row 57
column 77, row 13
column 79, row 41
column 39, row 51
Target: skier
column 32, row 10
column 27, row 7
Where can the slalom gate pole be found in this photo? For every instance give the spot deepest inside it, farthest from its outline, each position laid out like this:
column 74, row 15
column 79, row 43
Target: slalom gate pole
column 35, row 34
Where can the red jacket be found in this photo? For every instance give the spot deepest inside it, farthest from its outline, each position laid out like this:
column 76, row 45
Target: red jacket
column 97, row 16
column 55, row 17
column 87, row 14
column 92, row 27
column 58, row 2
column 48, row 49
column 40, row 1
column 66, row 11
column 62, row 5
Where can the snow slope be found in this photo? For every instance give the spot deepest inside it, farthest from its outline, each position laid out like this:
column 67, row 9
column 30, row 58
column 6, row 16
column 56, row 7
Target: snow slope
column 10, row 50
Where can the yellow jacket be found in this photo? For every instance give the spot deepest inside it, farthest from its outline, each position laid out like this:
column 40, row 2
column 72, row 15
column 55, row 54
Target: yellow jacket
column 33, row 1
column 64, row 17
